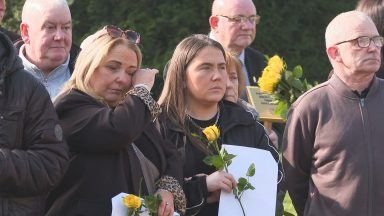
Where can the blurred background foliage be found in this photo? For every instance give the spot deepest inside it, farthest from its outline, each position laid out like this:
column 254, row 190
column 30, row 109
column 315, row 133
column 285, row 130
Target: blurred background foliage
column 294, row 29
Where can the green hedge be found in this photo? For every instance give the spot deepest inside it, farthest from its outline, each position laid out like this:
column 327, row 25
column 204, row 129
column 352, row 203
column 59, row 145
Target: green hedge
column 293, row 29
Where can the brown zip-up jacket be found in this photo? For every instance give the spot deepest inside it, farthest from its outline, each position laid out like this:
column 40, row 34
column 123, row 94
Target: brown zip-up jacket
column 334, row 151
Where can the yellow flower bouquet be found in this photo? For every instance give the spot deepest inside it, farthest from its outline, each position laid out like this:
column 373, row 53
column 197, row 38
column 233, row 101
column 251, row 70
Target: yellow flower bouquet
column 284, row 85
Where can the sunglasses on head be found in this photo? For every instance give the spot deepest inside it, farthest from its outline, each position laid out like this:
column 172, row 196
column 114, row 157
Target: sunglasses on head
column 116, row 32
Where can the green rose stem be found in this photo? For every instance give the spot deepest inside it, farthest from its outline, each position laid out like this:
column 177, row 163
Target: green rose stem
column 234, row 190
column 223, row 159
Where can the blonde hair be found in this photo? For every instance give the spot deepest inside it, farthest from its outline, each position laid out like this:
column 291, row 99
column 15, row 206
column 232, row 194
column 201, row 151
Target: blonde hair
column 92, row 55
column 234, row 61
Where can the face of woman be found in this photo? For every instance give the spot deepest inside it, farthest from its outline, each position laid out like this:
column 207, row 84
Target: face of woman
column 206, row 77
column 231, row 93
column 113, row 77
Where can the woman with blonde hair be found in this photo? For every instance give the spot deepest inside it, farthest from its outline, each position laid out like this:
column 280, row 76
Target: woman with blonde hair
column 192, row 99
column 106, row 112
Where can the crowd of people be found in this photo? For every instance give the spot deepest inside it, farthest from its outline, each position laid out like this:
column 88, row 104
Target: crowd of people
column 78, row 124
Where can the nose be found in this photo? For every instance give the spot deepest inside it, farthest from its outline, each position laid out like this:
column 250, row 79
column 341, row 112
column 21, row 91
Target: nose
column 124, row 79
column 373, row 47
column 247, row 24
column 217, row 74
column 229, row 84
column 59, row 34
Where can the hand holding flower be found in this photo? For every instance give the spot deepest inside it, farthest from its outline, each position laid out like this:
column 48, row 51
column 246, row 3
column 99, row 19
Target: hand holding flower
column 166, row 207
column 220, row 180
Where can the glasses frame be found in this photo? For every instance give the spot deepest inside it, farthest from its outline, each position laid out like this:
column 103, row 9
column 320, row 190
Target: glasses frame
column 116, row 32
column 241, row 19
column 358, row 40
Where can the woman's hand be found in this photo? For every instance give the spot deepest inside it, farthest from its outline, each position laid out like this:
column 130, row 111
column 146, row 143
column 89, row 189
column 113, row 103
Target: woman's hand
column 274, row 138
column 220, row 180
column 166, row 207
column 145, row 77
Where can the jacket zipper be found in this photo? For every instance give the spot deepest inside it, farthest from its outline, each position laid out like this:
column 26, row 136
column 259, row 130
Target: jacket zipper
column 369, row 150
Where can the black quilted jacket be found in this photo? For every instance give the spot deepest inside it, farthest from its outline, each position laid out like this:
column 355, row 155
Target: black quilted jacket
column 33, row 155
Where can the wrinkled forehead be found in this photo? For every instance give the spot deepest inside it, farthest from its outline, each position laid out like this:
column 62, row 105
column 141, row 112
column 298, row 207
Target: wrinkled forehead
column 350, row 26
column 358, row 29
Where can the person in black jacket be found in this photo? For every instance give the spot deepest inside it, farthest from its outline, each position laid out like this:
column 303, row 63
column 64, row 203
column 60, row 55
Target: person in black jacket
column 33, row 155
column 192, row 99
column 106, row 111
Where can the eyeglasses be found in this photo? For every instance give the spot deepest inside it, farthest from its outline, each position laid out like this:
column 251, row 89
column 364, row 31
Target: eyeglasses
column 116, row 32
column 255, row 19
column 365, row 41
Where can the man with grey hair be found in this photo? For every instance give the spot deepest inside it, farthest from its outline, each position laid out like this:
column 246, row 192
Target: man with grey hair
column 233, row 24
column 333, row 141
column 46, row 31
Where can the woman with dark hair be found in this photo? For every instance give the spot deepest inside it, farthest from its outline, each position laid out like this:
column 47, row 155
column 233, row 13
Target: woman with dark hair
column 106, row 112
column 192, row 99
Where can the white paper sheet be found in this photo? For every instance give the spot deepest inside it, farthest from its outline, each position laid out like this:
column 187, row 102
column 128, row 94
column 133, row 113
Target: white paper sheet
column 262, row 200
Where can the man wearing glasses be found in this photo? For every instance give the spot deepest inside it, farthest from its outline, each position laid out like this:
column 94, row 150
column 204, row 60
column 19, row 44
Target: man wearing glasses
column 233, row 24
column 333, row 141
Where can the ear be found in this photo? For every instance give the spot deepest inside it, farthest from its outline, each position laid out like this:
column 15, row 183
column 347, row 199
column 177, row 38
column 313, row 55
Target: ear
column 334, row 53
column 213, row 22
column 24, row 32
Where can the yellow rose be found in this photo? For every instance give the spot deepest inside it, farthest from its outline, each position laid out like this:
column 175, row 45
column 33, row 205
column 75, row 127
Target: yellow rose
column 276, row 63
column 212, row 133
column 271, row 74
column 132, row 201
column 266, row 85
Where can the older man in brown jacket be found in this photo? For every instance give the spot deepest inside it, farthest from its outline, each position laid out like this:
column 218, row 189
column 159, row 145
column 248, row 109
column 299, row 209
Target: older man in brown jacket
column 334, row 138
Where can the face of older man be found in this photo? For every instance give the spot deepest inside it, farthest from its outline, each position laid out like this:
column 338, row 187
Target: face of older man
column 355, row 57
column 48, row 36
column 233, row 35
column 2, row 10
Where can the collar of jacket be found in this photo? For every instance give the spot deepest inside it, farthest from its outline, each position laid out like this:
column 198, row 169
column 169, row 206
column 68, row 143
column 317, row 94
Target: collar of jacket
column 9, row 61
column 342, row 89
column 73, row 53
column 231, row 115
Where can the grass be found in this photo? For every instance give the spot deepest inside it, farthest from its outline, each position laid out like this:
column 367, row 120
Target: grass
column 289, row 210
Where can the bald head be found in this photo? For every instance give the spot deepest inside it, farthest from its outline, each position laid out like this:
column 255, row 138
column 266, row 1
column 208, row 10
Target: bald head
column 33, row 7
column 234, row 36
column 347, row 26
column 46, row 29
column 226, row 6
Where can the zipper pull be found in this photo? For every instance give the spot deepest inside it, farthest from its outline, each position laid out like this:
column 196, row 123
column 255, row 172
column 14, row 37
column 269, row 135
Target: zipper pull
column 362, row 102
